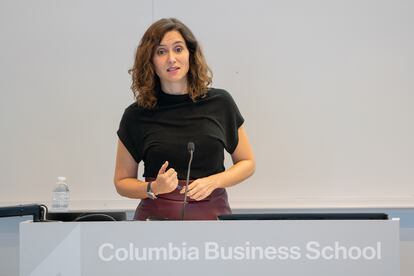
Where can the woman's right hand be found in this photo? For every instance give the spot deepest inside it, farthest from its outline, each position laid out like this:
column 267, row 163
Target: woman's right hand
column 166, row 181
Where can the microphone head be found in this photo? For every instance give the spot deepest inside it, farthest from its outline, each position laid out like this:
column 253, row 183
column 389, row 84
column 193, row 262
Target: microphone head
column 190, row 146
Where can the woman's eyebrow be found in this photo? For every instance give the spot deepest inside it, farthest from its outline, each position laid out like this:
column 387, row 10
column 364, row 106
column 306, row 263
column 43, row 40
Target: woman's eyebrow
column 177, row 42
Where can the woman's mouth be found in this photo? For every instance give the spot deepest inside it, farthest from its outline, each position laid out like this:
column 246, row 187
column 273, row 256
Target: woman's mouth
column 172, row 69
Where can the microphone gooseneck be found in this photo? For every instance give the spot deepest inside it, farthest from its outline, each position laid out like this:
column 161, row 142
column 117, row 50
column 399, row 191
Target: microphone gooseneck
column 190, row 148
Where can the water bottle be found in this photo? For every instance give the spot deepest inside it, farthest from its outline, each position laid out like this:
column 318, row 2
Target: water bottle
column 61, row 195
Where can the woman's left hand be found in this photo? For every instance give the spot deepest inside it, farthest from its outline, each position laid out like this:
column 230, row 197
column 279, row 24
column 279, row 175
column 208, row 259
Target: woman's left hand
column 201, row 188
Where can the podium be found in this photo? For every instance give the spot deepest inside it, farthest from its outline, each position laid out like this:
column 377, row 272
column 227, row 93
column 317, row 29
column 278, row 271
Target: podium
column 292, row 247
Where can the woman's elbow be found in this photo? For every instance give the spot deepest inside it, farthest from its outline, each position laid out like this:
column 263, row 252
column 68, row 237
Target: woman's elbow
column 118, row 187
column 252, row 167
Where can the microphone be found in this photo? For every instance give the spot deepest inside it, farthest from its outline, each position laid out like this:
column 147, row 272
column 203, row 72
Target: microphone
column 190, row 148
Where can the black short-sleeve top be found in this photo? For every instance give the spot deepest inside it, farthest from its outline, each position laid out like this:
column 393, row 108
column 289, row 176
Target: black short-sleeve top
column 162, row 133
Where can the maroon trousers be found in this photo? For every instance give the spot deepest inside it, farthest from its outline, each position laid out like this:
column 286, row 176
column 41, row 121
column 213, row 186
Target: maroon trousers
column 169, row 206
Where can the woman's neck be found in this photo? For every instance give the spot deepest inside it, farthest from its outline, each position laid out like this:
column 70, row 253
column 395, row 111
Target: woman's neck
column 174, row 88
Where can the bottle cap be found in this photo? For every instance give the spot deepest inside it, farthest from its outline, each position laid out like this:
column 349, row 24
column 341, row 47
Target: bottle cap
column 61, row 178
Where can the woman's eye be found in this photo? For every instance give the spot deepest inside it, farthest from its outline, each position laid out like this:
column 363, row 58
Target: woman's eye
column 160, row 52
column 179, row 49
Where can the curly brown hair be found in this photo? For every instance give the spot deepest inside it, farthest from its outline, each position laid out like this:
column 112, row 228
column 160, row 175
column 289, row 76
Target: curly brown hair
column 144, row 79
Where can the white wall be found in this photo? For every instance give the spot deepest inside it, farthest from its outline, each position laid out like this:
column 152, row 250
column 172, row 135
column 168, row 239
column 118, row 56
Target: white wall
column 325, row 88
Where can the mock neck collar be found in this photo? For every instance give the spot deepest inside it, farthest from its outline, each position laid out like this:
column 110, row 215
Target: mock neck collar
column 168, row 99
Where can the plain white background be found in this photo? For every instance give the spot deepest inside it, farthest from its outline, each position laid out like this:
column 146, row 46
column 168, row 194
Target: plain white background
column 326, row 88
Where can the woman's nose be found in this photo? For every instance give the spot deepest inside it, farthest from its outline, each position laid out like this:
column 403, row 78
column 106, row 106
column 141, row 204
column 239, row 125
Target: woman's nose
column 171, row 57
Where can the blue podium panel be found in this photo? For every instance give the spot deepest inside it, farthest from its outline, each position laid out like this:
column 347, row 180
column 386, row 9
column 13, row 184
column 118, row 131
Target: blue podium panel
column 335, row 247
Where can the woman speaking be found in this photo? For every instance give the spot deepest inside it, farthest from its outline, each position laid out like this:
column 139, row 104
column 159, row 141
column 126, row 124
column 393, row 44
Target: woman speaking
column 176, row 111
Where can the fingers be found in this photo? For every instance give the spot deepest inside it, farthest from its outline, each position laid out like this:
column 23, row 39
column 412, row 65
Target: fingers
column 163, row 168
column 197, row 191
column 199, row 195
column 171, row 172
column 190, row 187
column 167, row 180
column 173, row 176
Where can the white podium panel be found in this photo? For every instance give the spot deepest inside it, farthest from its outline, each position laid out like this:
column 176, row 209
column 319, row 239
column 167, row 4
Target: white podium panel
column 320, row 247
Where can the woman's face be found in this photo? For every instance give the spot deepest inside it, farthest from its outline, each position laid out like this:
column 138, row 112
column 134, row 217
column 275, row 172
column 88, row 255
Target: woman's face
column 171, row 62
